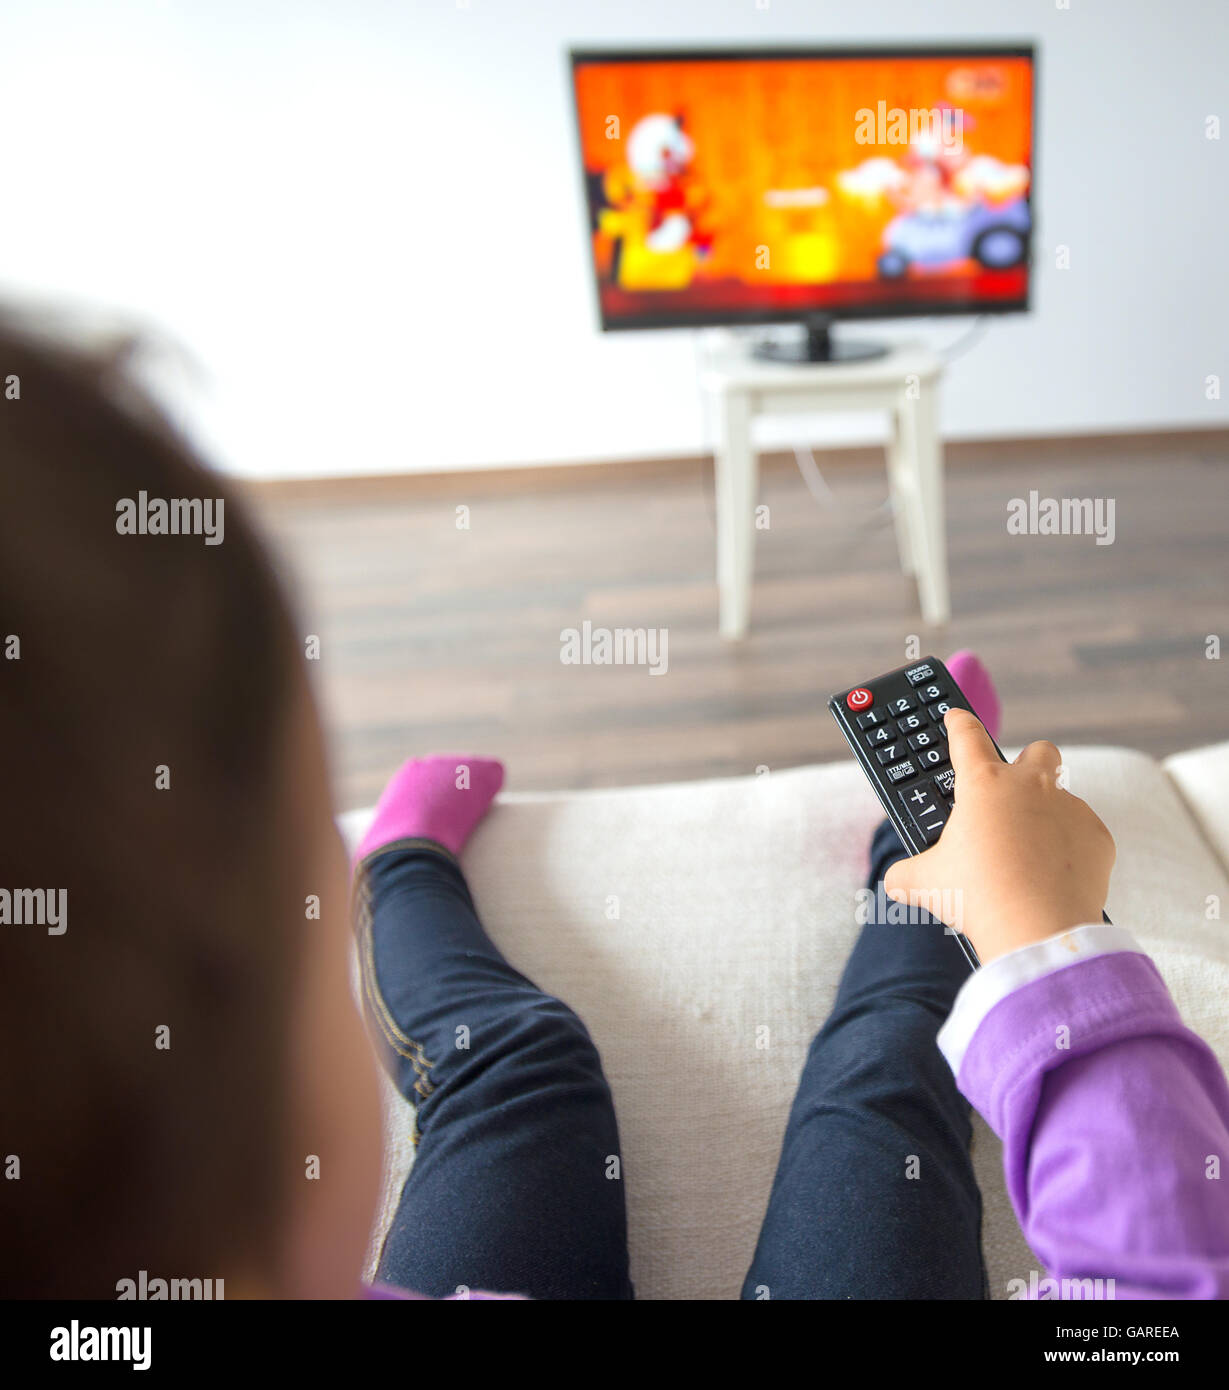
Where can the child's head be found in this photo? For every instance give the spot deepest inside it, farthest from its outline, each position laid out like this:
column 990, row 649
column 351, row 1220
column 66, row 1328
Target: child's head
column 177, row 1043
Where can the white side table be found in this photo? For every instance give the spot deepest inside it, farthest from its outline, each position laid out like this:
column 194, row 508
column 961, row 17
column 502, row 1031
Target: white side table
column 905, row 384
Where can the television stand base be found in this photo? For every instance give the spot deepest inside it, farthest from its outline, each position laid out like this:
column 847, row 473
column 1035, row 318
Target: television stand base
column 818, row 345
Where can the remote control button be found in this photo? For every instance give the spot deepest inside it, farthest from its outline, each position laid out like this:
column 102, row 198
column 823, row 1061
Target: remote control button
column 915, row 675
column 911, row 723
column 902, row 705
column 890, row 752
column 870, row 718
column 932, row 757
column 885, row 733
column 861, row 698
column 937, row 712
column 946, row 781
column 928, row 738
column 926, row 811
column 901, row 772
column 929, row 693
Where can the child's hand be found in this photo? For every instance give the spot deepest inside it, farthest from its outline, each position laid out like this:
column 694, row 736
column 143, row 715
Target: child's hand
column 1020, row 858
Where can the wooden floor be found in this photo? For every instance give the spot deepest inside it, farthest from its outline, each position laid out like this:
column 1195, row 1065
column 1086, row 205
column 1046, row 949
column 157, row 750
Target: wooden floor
column 436, row 638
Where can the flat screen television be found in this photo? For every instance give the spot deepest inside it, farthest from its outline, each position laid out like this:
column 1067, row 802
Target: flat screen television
column 764, row 186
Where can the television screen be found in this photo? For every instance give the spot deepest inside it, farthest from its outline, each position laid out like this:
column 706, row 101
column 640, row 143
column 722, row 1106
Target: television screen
column 757, row 187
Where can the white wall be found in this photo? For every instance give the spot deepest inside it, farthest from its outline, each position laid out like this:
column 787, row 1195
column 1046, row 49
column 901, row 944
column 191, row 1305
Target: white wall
column 363, row 217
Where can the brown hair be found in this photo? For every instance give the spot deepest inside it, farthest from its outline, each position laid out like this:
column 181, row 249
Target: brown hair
column 136, row 652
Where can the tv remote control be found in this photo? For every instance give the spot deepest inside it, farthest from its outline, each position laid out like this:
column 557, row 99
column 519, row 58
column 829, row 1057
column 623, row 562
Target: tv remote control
column 894, row 724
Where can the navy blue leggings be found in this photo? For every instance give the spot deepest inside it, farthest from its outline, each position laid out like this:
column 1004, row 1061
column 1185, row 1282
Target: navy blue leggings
column 517, row 1181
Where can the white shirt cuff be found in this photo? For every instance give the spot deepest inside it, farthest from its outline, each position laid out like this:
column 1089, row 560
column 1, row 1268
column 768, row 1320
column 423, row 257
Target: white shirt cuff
column 1005, row 974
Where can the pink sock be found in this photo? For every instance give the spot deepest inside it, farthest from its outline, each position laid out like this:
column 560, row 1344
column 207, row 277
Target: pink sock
column 973, row 678
column 439, row 798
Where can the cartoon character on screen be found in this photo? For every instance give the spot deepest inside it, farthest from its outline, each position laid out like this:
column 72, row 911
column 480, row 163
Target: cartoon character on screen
column 936, row 155
column 653, row 208
column 659, row 152
column 952, row 207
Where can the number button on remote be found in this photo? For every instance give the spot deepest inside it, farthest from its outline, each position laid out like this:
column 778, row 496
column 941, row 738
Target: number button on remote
column 928, row 738
column 937, row 712
column 871, row 718
column 890, row 752
column 910, row 723
column 883, row 734
column 929, row 693
column 903, row 705
column 932, row 757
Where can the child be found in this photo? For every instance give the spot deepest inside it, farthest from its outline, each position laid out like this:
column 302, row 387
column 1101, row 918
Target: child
column 186, row 1091
column 1066, row 1040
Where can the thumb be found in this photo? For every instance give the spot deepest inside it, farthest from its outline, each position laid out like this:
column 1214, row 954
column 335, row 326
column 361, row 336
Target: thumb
column 908, row 875
column 920, row 882
column 916, row 872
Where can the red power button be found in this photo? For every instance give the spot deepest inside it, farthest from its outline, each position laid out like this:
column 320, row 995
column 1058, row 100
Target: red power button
column 860, row 698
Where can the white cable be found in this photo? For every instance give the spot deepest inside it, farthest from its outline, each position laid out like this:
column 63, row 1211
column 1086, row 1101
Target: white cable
column 816, row 483
column 968, row 339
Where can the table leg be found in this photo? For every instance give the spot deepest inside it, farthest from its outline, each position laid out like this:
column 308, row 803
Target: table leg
column 930, row 532
column 902, row 483
column 737, row 484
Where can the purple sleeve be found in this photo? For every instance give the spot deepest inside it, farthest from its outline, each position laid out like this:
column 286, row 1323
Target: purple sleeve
column 1114, row 1119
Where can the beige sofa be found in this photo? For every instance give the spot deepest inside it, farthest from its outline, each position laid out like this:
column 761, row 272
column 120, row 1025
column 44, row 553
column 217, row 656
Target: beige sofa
column 681, row 921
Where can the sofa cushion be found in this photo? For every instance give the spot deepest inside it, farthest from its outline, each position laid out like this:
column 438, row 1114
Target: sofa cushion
column 1201, row 776
column 691, row 924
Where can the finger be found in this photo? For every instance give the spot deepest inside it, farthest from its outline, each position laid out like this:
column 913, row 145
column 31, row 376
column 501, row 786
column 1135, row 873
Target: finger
column 913, row 882
column 968, row 742
column 1042, row 757
column 896, row 880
